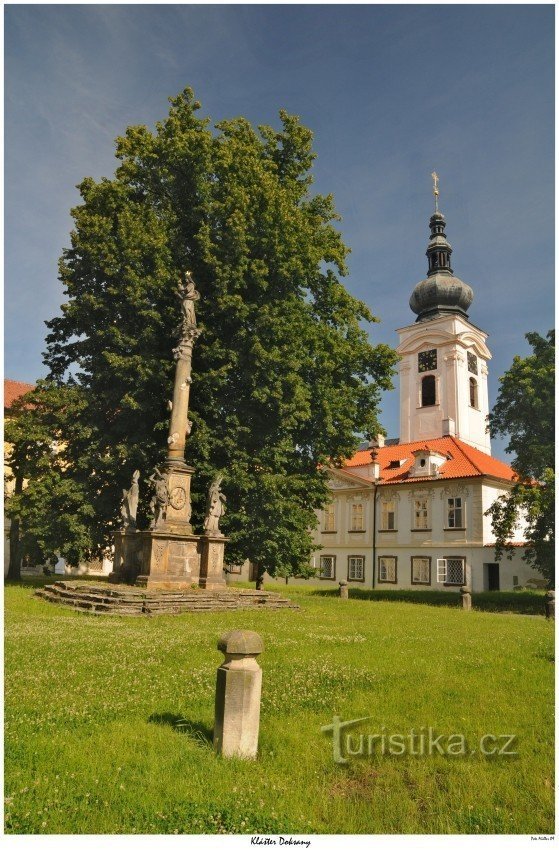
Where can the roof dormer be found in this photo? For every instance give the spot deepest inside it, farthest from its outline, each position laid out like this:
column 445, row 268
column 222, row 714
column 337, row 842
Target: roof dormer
column 427, row 463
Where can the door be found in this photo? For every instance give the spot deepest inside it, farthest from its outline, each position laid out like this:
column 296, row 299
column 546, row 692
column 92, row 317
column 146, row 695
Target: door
column 492, row 576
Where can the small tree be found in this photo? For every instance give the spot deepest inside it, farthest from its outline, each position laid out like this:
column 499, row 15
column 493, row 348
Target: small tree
column 525, row 412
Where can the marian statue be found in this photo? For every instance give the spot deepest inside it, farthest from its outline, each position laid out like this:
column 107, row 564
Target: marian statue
column 215, row 508
column 129, row 505
column 188, row 295
column 160, row 499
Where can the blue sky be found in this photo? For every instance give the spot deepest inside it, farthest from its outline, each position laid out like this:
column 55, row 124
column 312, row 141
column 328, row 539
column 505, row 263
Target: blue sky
column 390, row 92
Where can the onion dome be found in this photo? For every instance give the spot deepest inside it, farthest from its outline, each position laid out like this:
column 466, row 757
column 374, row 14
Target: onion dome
column 441, row 292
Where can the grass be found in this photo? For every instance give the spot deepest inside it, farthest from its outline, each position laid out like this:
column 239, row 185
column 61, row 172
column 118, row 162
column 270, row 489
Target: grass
column 108, row 720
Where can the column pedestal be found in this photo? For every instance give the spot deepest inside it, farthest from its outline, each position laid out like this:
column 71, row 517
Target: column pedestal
column 212, row 554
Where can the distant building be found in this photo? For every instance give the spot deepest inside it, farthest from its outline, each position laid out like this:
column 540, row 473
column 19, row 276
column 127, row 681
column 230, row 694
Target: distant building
column 410, row 513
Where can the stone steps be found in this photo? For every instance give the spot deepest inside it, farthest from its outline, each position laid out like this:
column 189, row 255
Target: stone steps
column 133, row 601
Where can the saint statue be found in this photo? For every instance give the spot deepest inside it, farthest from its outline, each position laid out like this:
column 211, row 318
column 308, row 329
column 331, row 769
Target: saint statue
column 215, row 508
column 160, row 499
column 188, row 295
column 129, row 505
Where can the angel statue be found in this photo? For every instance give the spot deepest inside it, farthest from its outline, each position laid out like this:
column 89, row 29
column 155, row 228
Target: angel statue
column 129, row 505
column 215, row 508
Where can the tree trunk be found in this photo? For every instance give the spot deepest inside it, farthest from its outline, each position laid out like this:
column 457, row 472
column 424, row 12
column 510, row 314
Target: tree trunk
column 260, row 577
column 14, row 566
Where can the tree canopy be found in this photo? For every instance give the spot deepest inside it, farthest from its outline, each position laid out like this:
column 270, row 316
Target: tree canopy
column 525, row 412
column 284, row 375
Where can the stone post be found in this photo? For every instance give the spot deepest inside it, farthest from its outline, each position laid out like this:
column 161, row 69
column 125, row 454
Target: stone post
column 550, row 605
column 344, row 589
column 466, row 598
column 237, row 695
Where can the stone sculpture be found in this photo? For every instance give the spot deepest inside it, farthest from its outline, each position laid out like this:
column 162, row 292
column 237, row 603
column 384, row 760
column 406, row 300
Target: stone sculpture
column 160, row 498
column 129, row 506
column 215, row 507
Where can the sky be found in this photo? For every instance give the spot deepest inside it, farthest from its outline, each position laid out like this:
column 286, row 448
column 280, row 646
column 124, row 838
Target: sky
column 390, row 92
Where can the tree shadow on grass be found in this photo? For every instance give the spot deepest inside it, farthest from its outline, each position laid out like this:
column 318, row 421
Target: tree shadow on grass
column 199, row 732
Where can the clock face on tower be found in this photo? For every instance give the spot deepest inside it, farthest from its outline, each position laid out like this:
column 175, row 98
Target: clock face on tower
column 427, row 360
column 472, row 363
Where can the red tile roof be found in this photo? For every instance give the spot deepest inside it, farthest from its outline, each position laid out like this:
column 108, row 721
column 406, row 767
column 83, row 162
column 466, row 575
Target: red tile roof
column 509, row 543
column 463, row 461
column 14, row 390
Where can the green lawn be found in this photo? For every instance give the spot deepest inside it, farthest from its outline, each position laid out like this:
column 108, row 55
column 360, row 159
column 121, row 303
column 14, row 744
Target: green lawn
column 108, row 720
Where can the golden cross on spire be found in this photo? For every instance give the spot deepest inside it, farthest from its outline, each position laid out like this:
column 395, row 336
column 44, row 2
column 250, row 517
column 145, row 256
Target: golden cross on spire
column 435, row 177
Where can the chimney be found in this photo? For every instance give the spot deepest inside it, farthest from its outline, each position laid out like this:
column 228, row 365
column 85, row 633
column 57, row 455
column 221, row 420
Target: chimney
column 377, row 442
column 449, row 428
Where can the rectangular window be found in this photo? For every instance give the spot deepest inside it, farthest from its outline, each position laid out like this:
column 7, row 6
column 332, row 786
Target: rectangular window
column 235, row 568
column 472, row 363
column 420, row 514
column 357, row 520
column 388, row 515
column 327, row 566
column 387, row 571
column 455, row 570
column 356, row 568
column 455, row 515
column 421, row 570
column 330, row 517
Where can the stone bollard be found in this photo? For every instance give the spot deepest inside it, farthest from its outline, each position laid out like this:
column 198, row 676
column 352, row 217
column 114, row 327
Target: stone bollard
column 237, row 695
column 344, row 590
column 466, row 598
column 550, row 605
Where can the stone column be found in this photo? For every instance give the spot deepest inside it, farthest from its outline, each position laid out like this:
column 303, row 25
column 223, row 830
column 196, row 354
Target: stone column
column 550, row 605
column 237, row 695
column 344, row 589
column 466, row 598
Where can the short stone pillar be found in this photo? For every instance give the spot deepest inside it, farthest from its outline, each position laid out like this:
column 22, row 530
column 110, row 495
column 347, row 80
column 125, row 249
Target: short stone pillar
column 550, row 605
column 466, row 595
column 237, row 695
column 344, row 590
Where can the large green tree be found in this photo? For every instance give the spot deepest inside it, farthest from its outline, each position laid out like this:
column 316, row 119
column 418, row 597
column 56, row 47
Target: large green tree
column 525, row 413
column 284, row 374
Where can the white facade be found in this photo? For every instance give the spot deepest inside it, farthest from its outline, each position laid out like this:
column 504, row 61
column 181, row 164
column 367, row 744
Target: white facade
column 460, row 402
column 413, row 548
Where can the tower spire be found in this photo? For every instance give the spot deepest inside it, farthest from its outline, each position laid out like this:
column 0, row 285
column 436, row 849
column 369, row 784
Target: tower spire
column 435, row 177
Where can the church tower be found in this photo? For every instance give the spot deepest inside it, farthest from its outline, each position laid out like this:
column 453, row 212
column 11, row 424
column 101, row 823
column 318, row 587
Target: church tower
column 443, row 370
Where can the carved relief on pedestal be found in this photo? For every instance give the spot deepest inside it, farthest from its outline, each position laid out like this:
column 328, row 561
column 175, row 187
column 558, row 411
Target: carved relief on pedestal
column 177, row 498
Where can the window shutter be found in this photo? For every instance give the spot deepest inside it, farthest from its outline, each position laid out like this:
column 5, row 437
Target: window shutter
column 441, row 570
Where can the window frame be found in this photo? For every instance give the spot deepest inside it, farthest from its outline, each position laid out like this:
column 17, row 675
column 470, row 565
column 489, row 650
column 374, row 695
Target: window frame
column 421, row 558
column 472, row 384
column 352, row 517
column 427, row 511
column 327, row 578
column 462, row 509
column 384, row 502
column 445, row 582
column 387, row 580
column 431, row 378
column 362, row 559
column 326, row 514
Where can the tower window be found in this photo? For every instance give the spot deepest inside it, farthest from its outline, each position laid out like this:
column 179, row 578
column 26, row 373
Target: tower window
column 472, row 363
column 473, row 392
column 428, row 394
